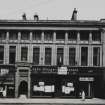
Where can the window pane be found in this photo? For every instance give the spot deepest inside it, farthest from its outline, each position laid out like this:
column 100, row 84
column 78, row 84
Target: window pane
column 84, row 56
column 96, row 56
column 72, row 35
column 71, row 56
column 60, row 36
column 1, row 54
column 36, row 35
column 36, row 54
column 48, row 36
column 96, row 36
column 84, row 35
column 13, row 35
column 47, row 56
column 59, row 56
column 2, row 35
column 12, row 54
column 25, row 35
column 24, row 53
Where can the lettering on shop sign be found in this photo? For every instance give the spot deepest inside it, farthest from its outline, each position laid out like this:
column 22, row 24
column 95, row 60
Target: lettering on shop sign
column 62, row 70
column 86, row 79
column 4, row 72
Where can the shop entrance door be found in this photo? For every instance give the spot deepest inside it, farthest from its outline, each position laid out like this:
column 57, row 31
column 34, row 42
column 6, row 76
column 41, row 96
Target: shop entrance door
column 23, row 88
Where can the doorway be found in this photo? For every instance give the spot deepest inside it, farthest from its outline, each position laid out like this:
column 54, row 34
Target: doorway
column 23, row 88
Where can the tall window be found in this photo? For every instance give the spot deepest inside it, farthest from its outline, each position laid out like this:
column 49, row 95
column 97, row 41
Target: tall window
column 36, row 55
column 72, row 56
column 25, row 35
column 60, row 36
column 2, row 35
column 96, row 56
column 12, row 54
column 1, row 54
column 48, row 36
column 60, row 56
column 36, row 35
column 84, row 56
column 48, row 56
column 72, row 35
column 24, row 53
column 96, row 36
column 13, row 35
column 84, row 35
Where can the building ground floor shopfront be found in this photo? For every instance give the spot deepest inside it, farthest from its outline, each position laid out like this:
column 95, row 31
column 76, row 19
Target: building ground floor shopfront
column 54, row 82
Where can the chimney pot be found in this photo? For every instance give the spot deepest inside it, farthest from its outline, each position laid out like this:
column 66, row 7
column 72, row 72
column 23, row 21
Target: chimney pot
column 74, row 15
column 24, row 16
column 36, row 17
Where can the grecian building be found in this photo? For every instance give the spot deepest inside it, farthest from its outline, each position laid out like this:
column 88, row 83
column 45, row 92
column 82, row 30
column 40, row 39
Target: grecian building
column 52, row 58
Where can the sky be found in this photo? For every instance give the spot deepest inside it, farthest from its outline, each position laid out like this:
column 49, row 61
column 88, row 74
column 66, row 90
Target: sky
column 52, row 9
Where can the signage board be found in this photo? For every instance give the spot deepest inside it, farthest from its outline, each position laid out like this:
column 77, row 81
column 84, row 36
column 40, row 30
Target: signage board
column 62, row 70
column 86, row 79
column 4, row 72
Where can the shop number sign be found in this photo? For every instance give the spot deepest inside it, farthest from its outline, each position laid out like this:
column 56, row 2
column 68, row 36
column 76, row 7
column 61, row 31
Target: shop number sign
column 62, row 70
column 86, row 79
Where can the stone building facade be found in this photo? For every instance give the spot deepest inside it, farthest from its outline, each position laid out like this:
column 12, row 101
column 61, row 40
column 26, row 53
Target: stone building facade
column 52, row 58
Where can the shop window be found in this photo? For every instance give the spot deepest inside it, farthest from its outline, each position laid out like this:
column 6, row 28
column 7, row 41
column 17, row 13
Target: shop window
column 36, row 35
column 48, row 56
column 96, row 56
column 60, row 36
column 84, row 35
column 72, row 35
column 25, row 35
column 12, row 54
column 71, row 56
column 84, row 56
column 60, row 56
column 48, row 36
column 13, row 35
column 36, row 55
column 1, row 54
column 2, row 35
column 96, row 36
column 24, row 53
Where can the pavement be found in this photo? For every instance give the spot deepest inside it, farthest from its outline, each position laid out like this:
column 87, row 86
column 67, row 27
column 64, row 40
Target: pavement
column 51, row 101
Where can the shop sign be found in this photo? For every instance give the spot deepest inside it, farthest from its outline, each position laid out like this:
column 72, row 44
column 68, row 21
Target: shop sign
column 4, row 72
column 86, row 79
column 62, row 70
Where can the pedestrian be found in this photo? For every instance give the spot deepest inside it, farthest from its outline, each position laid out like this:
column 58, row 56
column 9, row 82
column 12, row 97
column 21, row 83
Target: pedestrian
column 83, row 96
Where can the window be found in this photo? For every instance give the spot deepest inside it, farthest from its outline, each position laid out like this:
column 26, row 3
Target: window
column 59, row 56
column 48, row 36
column 12, row 54
column 96, row 36
column 60, row 36
column 36, row 55
column 25, row 35
column 84, row 56
column 36, row 35
column 24, row 53
column 47, row 56
column 84, row 35
column 1, row 54
column 72, row 56
column 72, row 35
column 13, row 35
column 2, row 35
column 96, row 56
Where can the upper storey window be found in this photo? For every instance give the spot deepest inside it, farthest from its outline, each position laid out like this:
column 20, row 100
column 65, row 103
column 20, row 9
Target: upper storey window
column 84, row 35
column 36, row 35
column 96, row 36
column 1, row 54
column 13, row 35
column 60, row 35
column 72, row 35
column 2, row 35
column 48, row 36
column 25, row 35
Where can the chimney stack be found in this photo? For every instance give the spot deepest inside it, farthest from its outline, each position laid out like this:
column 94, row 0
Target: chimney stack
column 24, row 16
column 74, row 15
column 36, row 17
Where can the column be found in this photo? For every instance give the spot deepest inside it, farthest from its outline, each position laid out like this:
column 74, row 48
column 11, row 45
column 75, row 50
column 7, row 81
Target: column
column 42, row 53
column 30, row 53
column 7, row 36
column 54, row 37
column 42, row 37
column 66, row 55
column 90, row 55
column 6, row 54
column 90, row 37
column 66, row 37
column 53, row 55
column 29, row 83
column 89, row 90
column 30, row 36
column 78, row 37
